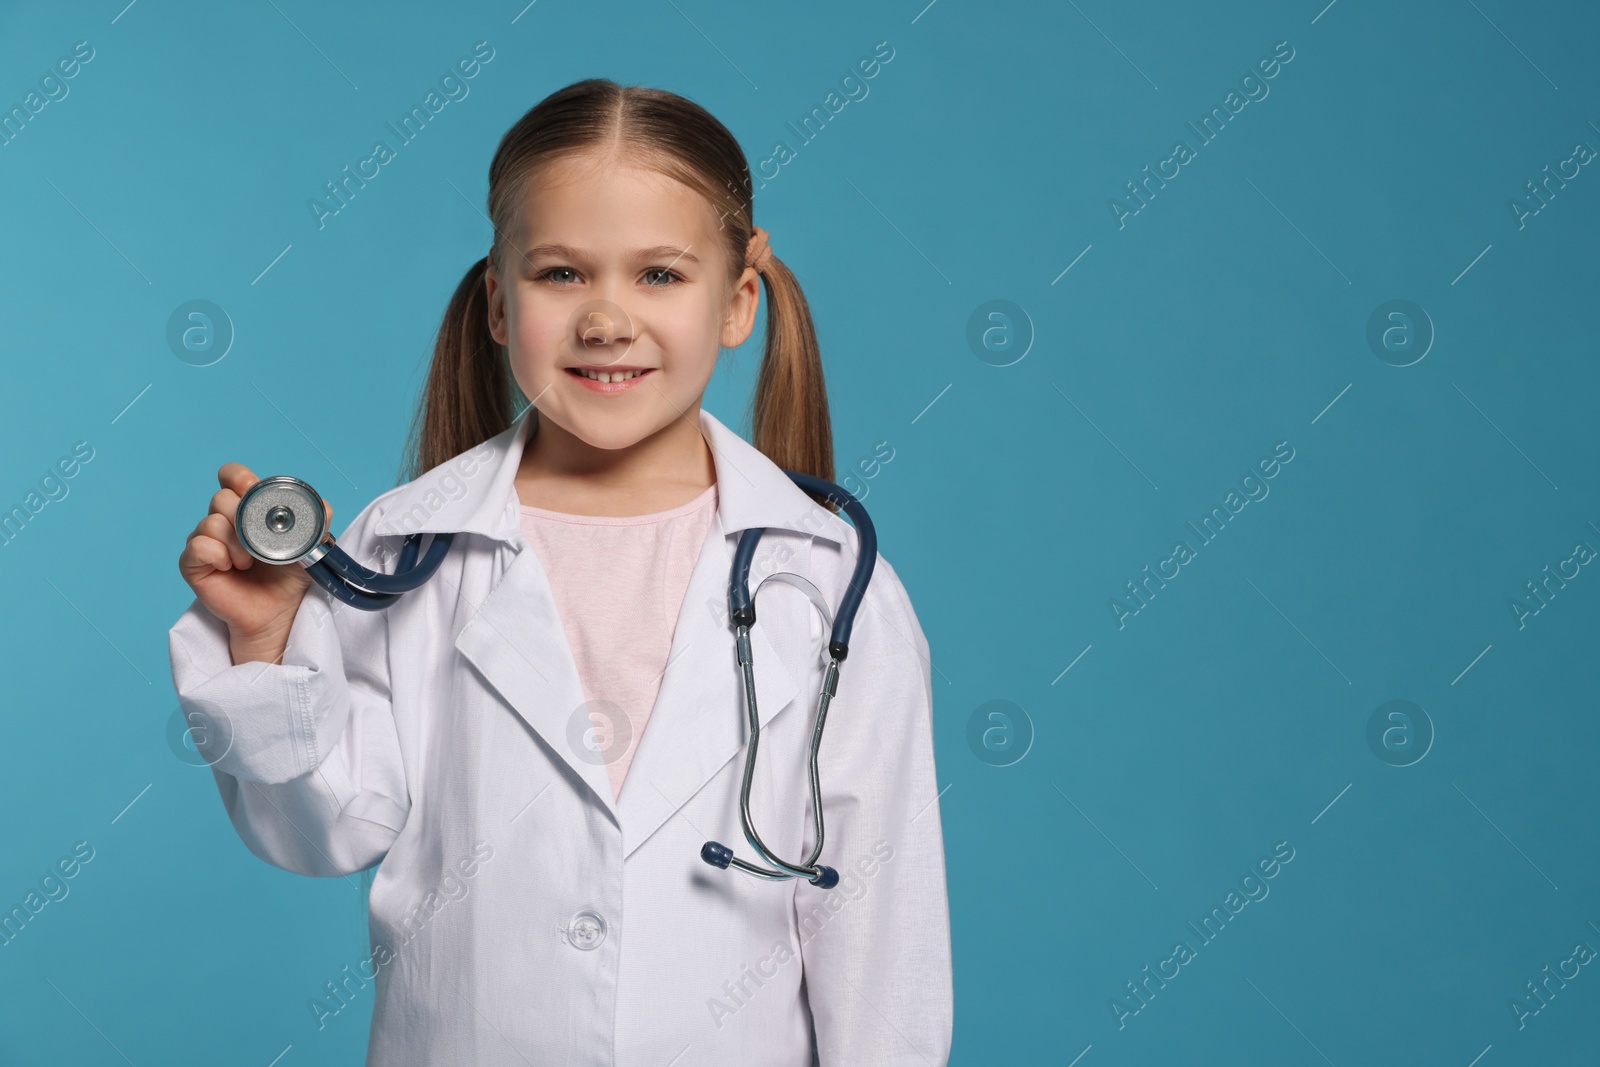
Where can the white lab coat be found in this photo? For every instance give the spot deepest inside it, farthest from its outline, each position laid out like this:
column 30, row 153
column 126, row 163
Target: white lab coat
column 520, row 916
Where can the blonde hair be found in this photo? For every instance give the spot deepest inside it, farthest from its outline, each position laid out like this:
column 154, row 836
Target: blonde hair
column 471, row 395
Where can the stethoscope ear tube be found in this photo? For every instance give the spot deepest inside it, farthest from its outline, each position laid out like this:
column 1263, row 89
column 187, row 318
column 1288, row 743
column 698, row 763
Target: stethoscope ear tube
column 339, row 590
column 409, row 576
column 742, row 606
column 866, row 557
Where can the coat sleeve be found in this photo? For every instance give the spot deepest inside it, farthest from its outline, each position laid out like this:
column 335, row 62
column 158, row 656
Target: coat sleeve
column 876, row 947
column 304, row 751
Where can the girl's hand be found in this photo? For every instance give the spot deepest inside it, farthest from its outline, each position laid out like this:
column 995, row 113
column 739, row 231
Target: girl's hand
column 257, row 600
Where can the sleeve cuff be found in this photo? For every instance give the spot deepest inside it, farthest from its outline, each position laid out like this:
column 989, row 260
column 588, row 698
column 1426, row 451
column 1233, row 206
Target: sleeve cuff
column 256, row 721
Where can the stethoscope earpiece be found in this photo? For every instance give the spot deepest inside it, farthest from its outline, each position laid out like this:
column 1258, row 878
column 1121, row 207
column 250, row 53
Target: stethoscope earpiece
column 719, row 855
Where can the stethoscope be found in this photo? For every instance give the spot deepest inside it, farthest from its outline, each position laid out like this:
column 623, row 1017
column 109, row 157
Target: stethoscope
column 282, row 520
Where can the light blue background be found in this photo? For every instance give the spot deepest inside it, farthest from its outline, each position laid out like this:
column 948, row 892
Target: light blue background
column 1228, row 315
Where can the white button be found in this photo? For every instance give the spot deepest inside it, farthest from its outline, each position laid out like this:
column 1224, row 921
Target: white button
column 585, row 931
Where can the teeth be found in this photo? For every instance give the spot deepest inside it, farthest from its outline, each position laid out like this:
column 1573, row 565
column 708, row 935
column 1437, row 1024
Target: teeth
column 603, row 376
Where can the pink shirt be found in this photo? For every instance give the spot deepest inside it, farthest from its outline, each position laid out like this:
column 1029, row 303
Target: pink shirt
column 619, row 583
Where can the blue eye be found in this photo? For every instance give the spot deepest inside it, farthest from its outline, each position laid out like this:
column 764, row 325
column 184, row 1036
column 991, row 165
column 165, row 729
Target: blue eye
column 545, row 276
column 672, row 277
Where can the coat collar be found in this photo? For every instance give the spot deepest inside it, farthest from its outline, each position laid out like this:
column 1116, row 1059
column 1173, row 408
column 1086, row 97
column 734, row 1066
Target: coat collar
column 474, row 491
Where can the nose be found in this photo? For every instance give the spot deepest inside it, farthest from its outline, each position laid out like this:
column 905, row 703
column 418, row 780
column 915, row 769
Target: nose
column 600, row 328
column 603, row 332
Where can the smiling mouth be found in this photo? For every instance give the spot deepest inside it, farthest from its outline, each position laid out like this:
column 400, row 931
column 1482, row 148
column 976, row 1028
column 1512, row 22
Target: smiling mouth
column 607, row 377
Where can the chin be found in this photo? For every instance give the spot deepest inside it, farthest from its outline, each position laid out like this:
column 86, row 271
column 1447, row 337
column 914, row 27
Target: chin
column 611, row 430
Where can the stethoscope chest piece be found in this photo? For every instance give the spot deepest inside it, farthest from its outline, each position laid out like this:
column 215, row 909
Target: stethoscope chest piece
column 280, row 520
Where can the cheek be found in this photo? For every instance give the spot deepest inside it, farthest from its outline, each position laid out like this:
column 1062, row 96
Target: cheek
column 682, row 330
column 536, row 330
column 690, row 341
column 533, row 336
column 700, row 325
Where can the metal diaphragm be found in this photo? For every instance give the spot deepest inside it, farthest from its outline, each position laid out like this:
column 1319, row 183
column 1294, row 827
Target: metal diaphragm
column 280, row 519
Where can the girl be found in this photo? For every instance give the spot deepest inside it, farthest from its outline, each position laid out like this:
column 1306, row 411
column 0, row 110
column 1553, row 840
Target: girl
column 537, row 742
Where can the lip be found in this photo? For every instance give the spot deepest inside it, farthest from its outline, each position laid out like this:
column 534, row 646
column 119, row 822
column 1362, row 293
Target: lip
column 609, row 387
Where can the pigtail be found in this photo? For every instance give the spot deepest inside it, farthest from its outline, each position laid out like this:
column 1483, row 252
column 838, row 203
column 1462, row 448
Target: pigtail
column 470, row 393
column 789, row 411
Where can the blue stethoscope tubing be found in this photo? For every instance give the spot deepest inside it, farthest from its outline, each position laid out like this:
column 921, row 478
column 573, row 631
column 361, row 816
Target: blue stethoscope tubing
column 373, row 590
column 743, row 610
column 270, row 510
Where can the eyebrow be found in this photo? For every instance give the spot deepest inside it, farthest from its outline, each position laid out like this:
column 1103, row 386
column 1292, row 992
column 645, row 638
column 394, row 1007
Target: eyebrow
column 568, row 252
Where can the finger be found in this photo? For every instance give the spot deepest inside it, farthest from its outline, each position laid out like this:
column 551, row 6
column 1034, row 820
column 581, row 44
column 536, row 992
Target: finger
column 219, row 526
column 203, row 554
column 225, row 502
column 236, row 476
column 203, row 527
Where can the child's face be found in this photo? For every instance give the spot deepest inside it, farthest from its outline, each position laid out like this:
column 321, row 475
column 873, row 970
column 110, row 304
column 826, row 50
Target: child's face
column 640, row 284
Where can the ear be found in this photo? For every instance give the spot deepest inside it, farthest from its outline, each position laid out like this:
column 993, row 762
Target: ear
column 497, row 304
column 742, row 305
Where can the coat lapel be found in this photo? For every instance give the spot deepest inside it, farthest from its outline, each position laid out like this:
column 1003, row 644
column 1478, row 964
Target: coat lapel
column 699, row 719
column 516, row 640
